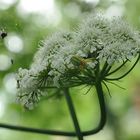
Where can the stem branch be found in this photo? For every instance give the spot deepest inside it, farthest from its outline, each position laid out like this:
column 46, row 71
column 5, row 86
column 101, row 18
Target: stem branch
column 73, row 115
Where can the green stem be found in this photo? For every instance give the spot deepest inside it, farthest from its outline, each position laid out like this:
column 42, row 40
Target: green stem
column 117, row 68
column 118, row 78
column 104, row 68
column 73, row 115
column 104, row 71
column 78, row 132
column 69, row 134
column 102, row 111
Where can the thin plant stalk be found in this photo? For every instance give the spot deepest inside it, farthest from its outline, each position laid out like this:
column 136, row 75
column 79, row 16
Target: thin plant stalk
column 73, row 115
column 64, row 133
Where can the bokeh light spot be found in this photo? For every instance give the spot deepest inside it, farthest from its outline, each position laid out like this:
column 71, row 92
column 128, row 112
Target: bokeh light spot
column 93, row 1
column 2, row 104
column 14, row 43
column 47, row 8
column 114, row 11
column 5, row 4
column 72, row 10
column 10, row 83
column 5, row 62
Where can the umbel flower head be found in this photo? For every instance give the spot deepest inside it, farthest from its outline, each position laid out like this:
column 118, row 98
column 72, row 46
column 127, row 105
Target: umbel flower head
column 85, row 56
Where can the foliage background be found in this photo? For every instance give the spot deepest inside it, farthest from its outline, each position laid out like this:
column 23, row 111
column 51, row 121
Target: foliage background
column 28, row 22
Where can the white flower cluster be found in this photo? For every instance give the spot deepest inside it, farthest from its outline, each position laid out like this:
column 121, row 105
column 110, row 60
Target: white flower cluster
column 28, row 91
column 110, row 40
column 66, row 58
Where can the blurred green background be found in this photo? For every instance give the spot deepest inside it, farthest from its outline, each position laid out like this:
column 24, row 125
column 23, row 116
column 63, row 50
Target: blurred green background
column 27, row 22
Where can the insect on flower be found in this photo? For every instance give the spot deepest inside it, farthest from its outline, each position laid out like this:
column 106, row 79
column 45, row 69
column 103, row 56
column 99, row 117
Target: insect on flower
column 3, row 34
column 12, row 61
column 81, row 62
